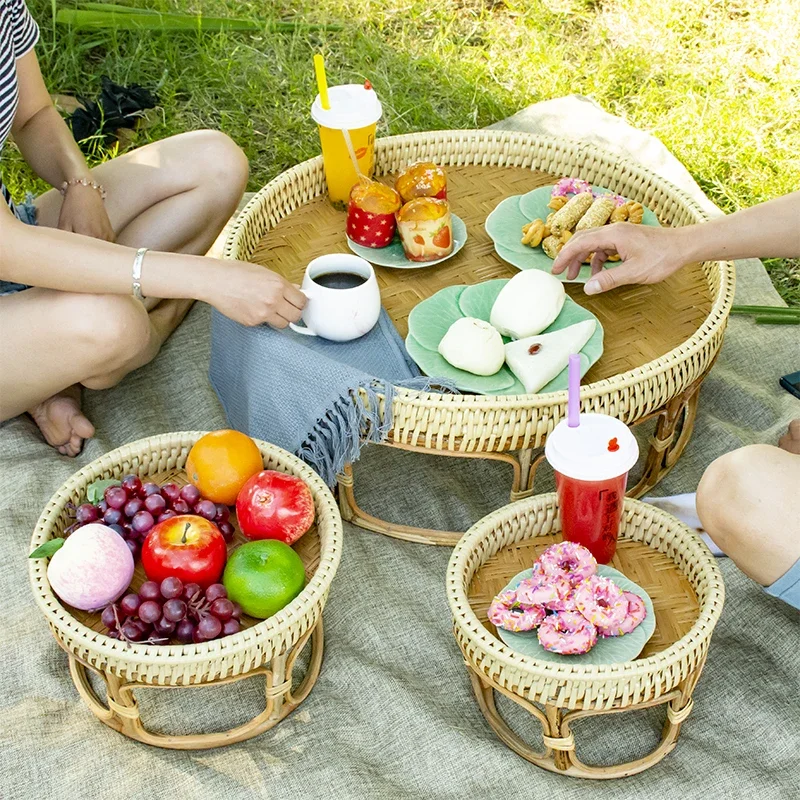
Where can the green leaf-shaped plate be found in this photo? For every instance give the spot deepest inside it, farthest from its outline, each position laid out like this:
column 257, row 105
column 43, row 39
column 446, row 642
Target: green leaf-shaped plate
column 504, row 226
column 394, row 256
column 430, row 320
column 613, row 650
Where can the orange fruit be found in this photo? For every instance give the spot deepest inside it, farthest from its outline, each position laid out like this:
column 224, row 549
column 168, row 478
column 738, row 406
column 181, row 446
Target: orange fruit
column 220, row 463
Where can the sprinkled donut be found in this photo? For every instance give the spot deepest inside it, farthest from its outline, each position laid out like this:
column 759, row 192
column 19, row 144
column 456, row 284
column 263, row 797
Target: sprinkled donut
column 636, row 614
column 602, row 602
column 554, row 593
column 567, row 633
column 506, row 611
column 568, row 560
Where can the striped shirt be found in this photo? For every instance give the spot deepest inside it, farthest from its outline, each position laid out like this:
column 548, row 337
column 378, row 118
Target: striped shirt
column 18, row 34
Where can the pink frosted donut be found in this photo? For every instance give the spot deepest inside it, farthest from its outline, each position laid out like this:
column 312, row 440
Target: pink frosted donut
column 553, row 593
column 568, row 560
column 567, row 633
column 506, row 611
column 636, row 614
column 602, row 602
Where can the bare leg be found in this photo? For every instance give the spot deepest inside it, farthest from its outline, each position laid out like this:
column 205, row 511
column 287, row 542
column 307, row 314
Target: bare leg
column 748, row 502
column 174, row 195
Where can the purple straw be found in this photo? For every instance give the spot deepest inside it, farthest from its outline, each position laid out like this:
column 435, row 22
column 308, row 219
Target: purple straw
column 574, row 392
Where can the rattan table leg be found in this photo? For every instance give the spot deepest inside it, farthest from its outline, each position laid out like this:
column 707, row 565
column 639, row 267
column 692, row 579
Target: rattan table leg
column 353, row 513
column 560, row 746
column 122, row 711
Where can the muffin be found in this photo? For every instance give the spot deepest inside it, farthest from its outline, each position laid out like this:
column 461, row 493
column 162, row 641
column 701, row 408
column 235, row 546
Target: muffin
column 425, row 229
column 423, row 179
column 371, row 214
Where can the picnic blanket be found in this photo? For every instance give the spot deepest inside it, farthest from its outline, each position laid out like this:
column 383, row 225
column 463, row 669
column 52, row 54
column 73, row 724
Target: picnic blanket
column 392, row 716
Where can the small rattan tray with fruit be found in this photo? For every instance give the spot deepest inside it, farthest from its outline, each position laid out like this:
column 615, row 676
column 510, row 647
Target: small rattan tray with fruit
column 188, row 559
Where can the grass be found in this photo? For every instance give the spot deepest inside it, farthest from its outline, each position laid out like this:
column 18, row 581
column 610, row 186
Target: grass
column 718, row 81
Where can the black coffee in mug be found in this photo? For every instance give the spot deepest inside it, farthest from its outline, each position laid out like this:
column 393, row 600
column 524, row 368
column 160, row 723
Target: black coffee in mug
column 340, row 280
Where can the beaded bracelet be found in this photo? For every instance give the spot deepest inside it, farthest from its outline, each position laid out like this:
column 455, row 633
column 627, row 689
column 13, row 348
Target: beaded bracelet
column 83, row 182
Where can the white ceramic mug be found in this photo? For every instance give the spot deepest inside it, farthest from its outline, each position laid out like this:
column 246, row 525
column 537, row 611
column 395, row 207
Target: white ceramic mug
column 339, row 314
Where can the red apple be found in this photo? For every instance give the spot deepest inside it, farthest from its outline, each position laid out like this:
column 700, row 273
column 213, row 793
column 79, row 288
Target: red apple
column 188, row 547
column 274, row 505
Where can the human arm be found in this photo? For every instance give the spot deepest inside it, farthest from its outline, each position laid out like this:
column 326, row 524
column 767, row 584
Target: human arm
column 650, row 255
column 69, row 262
column 46, row 143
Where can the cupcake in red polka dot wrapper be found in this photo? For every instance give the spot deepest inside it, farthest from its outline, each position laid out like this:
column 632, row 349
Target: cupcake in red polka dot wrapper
column 371, row 214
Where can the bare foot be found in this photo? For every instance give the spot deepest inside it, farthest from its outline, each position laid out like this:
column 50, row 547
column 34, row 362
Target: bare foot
column 790, row 441
column 61, row 422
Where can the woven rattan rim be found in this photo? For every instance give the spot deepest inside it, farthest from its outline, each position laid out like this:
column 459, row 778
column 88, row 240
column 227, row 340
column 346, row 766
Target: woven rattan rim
column 275, row 633
column 678, row 538
column 305, row 181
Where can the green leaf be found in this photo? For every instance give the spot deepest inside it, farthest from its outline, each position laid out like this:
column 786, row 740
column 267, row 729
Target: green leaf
column 47, row 549
column 96, row 490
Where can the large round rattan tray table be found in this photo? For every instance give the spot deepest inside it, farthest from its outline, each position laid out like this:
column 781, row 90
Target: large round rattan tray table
column 656, row 551
column 660, row 340
column 268, row 648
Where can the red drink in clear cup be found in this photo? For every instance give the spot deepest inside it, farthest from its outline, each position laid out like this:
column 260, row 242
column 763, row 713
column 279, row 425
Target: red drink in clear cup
column 591, row 464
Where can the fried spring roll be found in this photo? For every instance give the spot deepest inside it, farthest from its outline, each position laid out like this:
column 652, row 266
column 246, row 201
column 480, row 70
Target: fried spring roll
column 597, row 215
column 566, row 218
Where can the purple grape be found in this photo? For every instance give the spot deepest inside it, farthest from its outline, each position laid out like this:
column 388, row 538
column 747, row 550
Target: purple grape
column 132, row 485
column 126, row 529
column 184, row 631
column 237, row 611
column 230, row 626
column 205, row 508
column 132, row 631
column 191, row 494
column 180, row 506
column 168, row 514
column 223, row 513
column 102, row 507
column 191, row 590
column 86, row 513
column 215, row 591
column 171, row 587
column 155, row 504
column 142, row 522
column 149, row 611
column 222, row 609
column 227, row 530
column 174, row 610
column 171, row 492
column 132, row 546
column 164, row 627
column 118, row 529
column 115, row 496
column 108, row 618
column 149, row 590
column 150, row 488
column 209, row 627
column 132, row 507
column 129, row 604
column 198, row 638
column 112, row 517
column 113, row 633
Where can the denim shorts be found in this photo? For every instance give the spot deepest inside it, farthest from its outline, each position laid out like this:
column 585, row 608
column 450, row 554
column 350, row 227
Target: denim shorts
column 787, row 587
column 26, row 212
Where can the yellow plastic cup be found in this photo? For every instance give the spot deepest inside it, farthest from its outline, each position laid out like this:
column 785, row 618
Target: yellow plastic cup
column 355, row 109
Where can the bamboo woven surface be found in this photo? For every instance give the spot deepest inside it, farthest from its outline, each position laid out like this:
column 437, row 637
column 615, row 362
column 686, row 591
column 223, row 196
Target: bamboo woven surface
column 240, row 653
column 659, row 340
column 674, row 600
column 641, row 323
column 656, row 550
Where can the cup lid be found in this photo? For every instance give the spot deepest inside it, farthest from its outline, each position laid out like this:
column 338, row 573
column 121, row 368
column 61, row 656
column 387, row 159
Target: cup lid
column 600, row 448
column 352, row 106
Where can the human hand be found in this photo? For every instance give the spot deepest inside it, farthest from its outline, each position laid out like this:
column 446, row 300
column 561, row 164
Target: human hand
column 649, row 255
column 251, row 295
column 790, row 441
column 84, row 212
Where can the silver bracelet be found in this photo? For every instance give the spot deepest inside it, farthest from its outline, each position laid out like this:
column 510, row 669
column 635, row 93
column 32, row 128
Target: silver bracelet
column 136, row 275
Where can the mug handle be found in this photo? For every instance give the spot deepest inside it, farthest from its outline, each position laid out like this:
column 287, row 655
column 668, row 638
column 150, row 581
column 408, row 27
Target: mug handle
column 297, row 328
